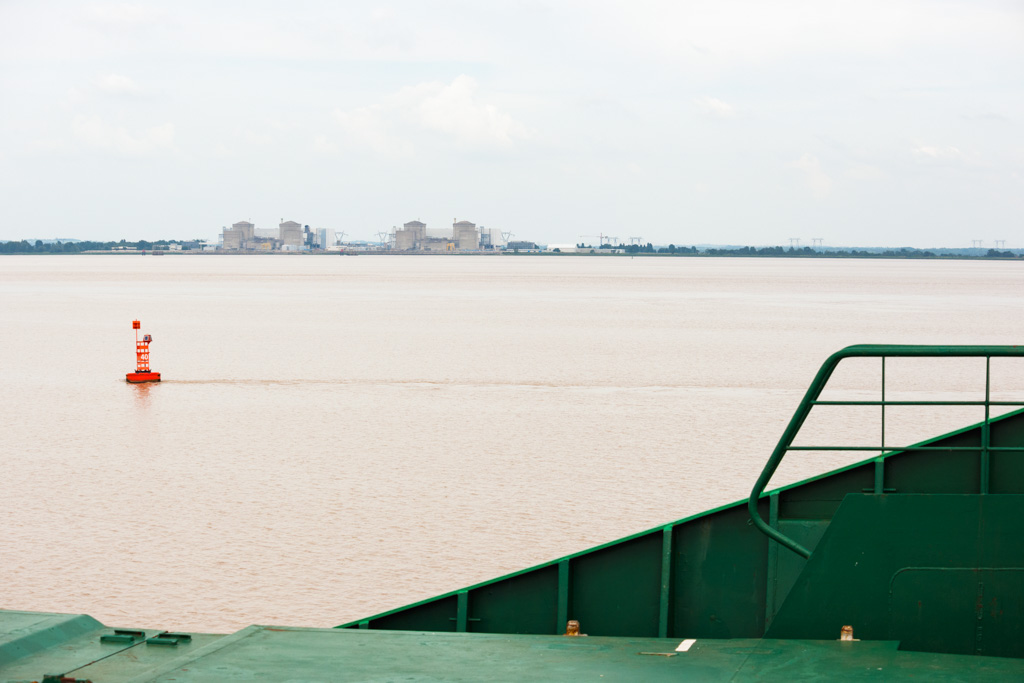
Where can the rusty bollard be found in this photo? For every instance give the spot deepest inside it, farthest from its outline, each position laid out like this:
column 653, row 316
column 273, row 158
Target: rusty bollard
column 572, row 628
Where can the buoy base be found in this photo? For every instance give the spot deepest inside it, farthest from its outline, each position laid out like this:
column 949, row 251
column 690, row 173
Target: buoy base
column 140, row 377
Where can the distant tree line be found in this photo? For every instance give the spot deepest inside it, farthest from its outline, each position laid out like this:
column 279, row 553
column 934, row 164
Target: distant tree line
column 58, row 247
column 798, row 252
column 642, row 248
column 904, row 253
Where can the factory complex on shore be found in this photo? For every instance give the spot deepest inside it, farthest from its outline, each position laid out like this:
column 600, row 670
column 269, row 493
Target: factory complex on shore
column 412, row 237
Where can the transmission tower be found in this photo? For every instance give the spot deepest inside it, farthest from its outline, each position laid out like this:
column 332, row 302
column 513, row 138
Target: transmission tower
column 794, row 242
column 1000, row 244
column 976, row 244
column 816, row 241
column 636, row 240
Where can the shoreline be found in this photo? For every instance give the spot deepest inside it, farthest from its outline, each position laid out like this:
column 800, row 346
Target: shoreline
column 909, row 256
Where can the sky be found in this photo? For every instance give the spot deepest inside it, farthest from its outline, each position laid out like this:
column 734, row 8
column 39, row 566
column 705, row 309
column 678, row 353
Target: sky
column 860, row 123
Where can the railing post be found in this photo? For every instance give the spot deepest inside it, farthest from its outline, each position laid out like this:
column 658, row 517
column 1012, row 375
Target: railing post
column 986, row 430
column 879, row 475
column 773, row 562
column 883, row 404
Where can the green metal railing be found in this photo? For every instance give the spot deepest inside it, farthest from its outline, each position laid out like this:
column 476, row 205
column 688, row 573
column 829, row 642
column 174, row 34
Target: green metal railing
column 882, row 351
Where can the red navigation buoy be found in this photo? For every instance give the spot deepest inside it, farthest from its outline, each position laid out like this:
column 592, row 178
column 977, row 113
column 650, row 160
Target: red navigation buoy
column 142, row 372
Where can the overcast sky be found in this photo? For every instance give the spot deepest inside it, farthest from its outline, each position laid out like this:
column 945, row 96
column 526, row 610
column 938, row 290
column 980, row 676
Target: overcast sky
column 862, row 123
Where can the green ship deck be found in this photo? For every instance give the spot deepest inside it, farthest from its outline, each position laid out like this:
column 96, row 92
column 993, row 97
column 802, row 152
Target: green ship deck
column 72, row 648
column 918, row 549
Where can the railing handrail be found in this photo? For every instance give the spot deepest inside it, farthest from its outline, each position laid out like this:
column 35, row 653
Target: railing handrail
column 821, row 379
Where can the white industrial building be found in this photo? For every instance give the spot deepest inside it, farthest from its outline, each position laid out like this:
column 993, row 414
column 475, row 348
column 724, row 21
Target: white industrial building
column 491, row 238
column 325, row 238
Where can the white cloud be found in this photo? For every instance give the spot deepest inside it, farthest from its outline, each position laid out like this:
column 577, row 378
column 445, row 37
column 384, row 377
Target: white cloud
column 865, row 172
column 707, row 34
column 73, row 98
column 456, row 109
column 322, row 145
column 371, row 127
column 124, row 14
column 94, row 132
column 715, row 107
column 457, row 112
column 47, row 144
column 815, row 177
column 116, row 84
column 930, row 153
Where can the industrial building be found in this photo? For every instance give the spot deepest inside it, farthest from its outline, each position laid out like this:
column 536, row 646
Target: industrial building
column 464, row 236
column 411, row 236
column 239, row 236
column 291, row 236
column 232, row 239
column 491, row 238
column 325, row 238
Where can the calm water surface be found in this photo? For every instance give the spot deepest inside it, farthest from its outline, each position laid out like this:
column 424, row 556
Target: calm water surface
column 339, row 436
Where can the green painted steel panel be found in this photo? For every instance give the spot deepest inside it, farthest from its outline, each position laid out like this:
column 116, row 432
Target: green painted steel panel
column 526, row 603
column 807, row 532
column 616, row 591
column 1007, row 468
column 959, row 611
column 720, row 577
column 820, row 499
column 33, row 644
column 938, row 471
column 435, row 615
column 25, row 633
column 873, row 538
